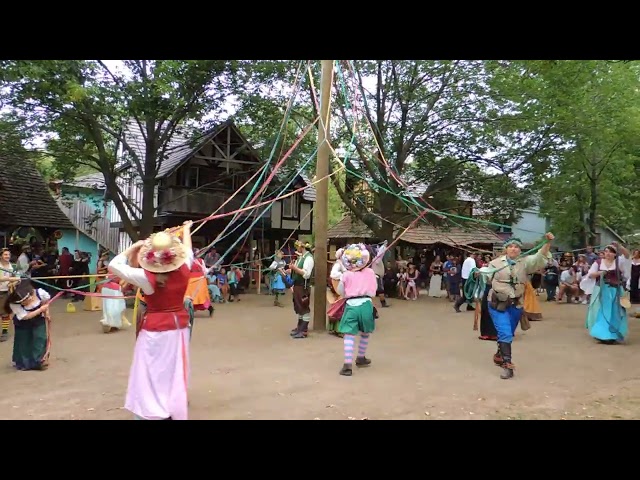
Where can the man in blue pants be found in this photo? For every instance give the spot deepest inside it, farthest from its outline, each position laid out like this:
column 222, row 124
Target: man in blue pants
column 509, row 274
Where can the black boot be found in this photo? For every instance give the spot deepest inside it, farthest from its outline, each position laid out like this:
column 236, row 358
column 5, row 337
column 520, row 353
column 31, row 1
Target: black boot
column 297, row 329
column 497, row 358
column 347, row 370
column 507, row 366
column 302, row 331
column 362, row 362
column 211, row 310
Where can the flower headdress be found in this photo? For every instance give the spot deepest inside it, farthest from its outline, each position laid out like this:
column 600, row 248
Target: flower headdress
column 355, row 257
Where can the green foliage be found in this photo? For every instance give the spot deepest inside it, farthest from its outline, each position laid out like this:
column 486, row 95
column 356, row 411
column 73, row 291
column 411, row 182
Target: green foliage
column 594, row 107
column 83, row 106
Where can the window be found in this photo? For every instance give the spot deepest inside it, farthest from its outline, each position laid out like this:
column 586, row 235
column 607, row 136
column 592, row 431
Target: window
column 290, row 207
column 129, row 184
column 189, row 177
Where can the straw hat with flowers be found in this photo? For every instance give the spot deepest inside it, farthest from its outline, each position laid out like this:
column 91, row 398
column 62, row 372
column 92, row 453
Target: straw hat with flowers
column 162, row 252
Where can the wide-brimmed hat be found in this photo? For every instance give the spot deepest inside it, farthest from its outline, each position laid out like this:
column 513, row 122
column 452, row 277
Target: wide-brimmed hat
column 162, row 252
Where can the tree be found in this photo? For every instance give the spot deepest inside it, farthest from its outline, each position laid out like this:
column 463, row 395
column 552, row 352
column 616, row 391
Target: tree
column 429, row 122
column 83, row 107
column 594, row 107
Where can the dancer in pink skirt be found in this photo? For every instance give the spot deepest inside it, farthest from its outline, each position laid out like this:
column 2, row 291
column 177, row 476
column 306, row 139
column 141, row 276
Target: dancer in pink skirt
column 160, row 370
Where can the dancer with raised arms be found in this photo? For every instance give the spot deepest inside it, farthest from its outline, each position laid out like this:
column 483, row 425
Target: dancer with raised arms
column 160, row 370
column 509, row 276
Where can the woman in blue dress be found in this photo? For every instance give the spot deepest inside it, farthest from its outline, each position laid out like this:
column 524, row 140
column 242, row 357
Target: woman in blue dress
column 277, row 283
column 607, row 317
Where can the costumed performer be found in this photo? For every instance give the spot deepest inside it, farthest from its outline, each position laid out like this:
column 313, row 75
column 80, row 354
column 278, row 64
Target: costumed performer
column 277, row 286
column 606, row 316
column 300, row 271
column 509, row 275
column 198, row 289
column 376, row 254
column 113, row 309
column 531, row 305
column 6, row 277
column 487, row 328
column 31, row 321
column 336, row 301
column 159, row 372
column 358, row 285
column 435, row 284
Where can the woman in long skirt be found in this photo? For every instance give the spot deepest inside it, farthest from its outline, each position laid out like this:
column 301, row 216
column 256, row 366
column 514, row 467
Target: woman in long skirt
column 113, row 308
column 277, row 281
column 159, row 376
column 435, row 284
column 531, row 309
column 30, row 310
column 487, row 328
column 606, row 317
column 634, row 278
column 198, row 289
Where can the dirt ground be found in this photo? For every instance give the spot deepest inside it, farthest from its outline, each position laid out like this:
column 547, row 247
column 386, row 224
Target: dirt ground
column 428, row 364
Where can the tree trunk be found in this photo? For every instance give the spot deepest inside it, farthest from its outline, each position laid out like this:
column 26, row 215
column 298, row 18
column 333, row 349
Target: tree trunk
column 148, row 206
column 127, row 224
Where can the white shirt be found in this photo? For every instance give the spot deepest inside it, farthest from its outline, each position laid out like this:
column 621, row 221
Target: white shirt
column 20, row 312
column 337, row 270
column 307, row 266
column 23, row 263
column 136, row 276
column 468, row 264
column 4, row 284
column 568, row 276
column 622, row 265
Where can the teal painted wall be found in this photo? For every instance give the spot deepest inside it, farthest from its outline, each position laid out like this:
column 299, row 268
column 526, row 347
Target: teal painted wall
column 93, row 198
column 84, row 243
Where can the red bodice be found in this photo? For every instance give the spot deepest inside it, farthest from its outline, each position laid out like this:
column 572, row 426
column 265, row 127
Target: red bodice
column 197, row 269
column 165, row 307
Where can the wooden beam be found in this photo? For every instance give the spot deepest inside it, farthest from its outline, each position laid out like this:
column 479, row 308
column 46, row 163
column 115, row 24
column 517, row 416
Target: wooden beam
column 228, row 143
column 218, row 159
column 220, row 150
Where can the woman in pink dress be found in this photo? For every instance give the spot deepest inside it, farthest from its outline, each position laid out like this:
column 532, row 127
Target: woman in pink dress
column 160, row 370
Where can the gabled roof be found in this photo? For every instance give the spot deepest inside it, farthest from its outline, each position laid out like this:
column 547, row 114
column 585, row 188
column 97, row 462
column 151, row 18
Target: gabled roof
column 93, row 181
column 180, row 148
column 24, row 197
column 284, row 177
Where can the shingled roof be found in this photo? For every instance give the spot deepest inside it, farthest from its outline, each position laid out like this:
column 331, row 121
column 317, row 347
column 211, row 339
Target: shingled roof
column 180, row 148
column 421, row 234
column 25, row 199
column 284, row 177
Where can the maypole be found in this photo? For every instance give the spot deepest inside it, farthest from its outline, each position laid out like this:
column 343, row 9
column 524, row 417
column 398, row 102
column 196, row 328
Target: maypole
column 321, row 215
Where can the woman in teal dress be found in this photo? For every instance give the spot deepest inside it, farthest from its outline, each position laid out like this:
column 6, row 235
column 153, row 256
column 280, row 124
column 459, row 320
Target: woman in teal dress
column 607, row 317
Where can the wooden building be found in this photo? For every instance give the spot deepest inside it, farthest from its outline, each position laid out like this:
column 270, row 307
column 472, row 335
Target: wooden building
column 197, row 178
column 83, row 202
column 28, row 212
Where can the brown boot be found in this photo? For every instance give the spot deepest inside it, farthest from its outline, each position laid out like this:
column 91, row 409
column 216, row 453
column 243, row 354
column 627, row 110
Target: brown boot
column 507, row 366
column 497, row 357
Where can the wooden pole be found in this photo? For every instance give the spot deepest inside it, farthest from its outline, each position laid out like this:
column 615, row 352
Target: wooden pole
column 321, row 206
